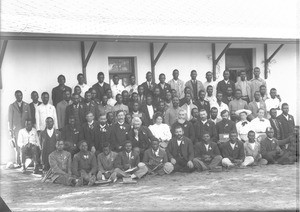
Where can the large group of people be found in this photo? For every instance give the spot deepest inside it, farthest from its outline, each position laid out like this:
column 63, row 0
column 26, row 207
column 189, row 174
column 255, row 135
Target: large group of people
column 105, row 132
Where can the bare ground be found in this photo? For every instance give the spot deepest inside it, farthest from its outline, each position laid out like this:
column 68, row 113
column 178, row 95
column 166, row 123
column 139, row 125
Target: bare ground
column 273, row 187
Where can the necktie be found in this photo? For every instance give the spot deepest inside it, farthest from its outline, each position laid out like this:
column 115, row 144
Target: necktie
column 244, row 123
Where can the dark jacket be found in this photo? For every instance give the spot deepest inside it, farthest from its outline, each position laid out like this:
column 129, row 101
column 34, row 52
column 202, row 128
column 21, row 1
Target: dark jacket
column 186, row 149
column 236, row 153
column 225, row 127
column 123, row 162
column 119, row 134
column 287, row 125
column 88, row 163
column 148, row 119
column 148, row 90
column 89, row 133
column 209, row 127
column 73, row 135
column 152, row 160
column 81, row 112
column 222, row 86
column 200, row 150
column 57, row 94
column 188, row 129
column 102, row 135
column 101, row 90
column 32, row 111
column 166, row 87
column 205, row 106
column 278, row 133
column 145, row 137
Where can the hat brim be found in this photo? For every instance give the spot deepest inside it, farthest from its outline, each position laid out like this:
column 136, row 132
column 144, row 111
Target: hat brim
column 248, row 112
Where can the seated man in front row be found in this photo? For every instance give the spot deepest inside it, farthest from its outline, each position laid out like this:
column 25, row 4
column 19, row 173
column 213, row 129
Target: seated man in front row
column 106, row 162
column 232, row 151
column 60, row 167
column 207, row 155
column 271, row 151
column 156, row 160
column 85, row 165
column 180, row 151
column 126, row 160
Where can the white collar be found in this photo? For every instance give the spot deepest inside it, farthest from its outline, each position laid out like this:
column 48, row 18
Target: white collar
column 92, row 122
column 204, row 122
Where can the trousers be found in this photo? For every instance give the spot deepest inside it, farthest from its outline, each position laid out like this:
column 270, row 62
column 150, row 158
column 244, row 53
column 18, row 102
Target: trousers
column 201, row 165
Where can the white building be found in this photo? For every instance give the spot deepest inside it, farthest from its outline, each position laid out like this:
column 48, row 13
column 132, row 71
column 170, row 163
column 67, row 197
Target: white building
column 44, row 39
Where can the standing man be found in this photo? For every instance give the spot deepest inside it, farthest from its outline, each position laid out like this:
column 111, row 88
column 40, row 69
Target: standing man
column 77, row 110
column 149, row 85
column 263, row 92
column 132, row 87
column 244, row 86
column 287, row 121
column 177, row 84
column 29, row 143
column 209, row 95
column 18, row 113
column 101, row 87
column 188, row 106
column 276, row 124
column 117, row 87
column 203, row 104
column 90, row 105
column 220, row 105
column 209, row 81
column 171, row 114
column 180, row 152
column 110, row 100
column 205, row 125
column 49, row 137
column 226, row 82
column 57, row 92
column 195, row 85
column 163, row 86
column 256, row 82
column 89, row 131
column 61, row 108
column 102, row 134
column 33, row 105
column 44, row 111
column 273, row 102
column 81, row 83
column 257, row 104
column 148, row 109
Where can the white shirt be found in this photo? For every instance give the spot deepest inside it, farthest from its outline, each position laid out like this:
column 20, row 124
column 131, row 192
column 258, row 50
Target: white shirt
column 206, row 146
column 243, row 130
column 50, row 132
column 111, row 102
column 150, row 111
column 232, row 145
column 117, row 89
column 178, row 142
column 35, row 105
column 286, row 116
column 220, row 108
column 161, row 131
column 128, row 155
column 258, row 104
column 84, row 88
column 188, row 111
column 259, row 126
column 204, row 122
column 42, row 112
column 272, row 103
column 213, row 84
column 211, row 99
column 155, row 152
column 131, row 88
column 252, row 145
column 25, row 137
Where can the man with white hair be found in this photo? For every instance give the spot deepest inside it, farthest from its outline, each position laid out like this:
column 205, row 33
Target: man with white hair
column 188, row 128
column 140, row 136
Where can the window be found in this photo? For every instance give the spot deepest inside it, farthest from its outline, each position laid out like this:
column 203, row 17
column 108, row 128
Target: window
column 123, row 66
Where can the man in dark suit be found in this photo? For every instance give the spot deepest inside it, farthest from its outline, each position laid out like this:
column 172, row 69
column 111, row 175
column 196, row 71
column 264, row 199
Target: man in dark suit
column 232, row 151
column 119, row 132
column 205, row 125
column 195, row 85
column 207, row 155
column 89, row 131
column 140, row 136
column 287, row 121
column 163, row 86
column 136, row 112
column 35, row 102
column 226, row 82
column 180, row 152
column 149, row 85
column 203, row 104
column 77, row 110
column 276, row 124
column 224, row 127
column 90, row 105
column 149, row 110
column 102, row 134
column 18, row 113
column 57, row 92
column 101, row 87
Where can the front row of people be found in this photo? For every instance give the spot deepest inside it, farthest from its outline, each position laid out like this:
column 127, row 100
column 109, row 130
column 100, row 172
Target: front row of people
column 180, row 155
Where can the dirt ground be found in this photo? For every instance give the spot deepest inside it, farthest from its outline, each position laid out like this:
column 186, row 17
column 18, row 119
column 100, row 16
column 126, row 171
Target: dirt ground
column 273, row 187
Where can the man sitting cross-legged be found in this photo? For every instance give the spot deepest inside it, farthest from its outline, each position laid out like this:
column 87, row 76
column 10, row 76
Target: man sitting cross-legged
column 252, row 151
column 232, row 151
column 207, row 155
column 106, row 162
column 180, row 151
column 128, row 162
column 85, row 164
column 60, row 167
column 156, row 160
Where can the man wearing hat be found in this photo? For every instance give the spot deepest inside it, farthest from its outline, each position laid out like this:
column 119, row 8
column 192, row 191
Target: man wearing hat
column 243, row 126
column 156, row 160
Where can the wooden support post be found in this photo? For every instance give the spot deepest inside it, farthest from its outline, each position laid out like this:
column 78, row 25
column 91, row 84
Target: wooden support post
column 268, row 60
column 223, row 52
column 155, row 60
column 85, row 60
column 213, row 54
column 2, row 53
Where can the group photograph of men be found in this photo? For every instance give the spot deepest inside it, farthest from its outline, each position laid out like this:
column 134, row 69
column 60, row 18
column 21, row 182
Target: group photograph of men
column 107, row 133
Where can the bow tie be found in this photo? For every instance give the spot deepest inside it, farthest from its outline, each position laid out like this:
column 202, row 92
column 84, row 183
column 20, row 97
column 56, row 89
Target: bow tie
column 262, row 120
column 244, row 123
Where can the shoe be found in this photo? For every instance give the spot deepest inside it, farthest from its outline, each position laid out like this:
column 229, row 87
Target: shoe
column 216, row 169
column 133, row 176
column 79, row 182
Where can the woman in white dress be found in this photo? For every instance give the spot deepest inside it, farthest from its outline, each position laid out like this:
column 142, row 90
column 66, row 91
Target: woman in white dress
column 160, row 130
column 243, row 126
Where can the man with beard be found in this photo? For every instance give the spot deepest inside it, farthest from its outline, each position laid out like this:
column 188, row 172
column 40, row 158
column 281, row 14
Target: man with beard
column 224, row 127
column 102, row 134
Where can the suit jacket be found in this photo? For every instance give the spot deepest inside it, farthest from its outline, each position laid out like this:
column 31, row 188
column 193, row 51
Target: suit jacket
column 236, row 153
column 163, row 89
column 268, row 145
column 188, row 129
column 253, row 107
column 84, row 162
column 222, row 86
column 225, row 127
column 238, row 85
column 57, row 94
column 199, row 87
column 102, row 135
column 148, row 90
column 106, row 163
column 148, row 119
column 119, row 134
column 209, row 127
column 101, row 90
column 81, row 111
column 278, row 133
column 32, row 111
column 123, row 162
column 17, row 118
column 205, row 106
column 287, row 125
column 200, row 150
column 186, row 149
column 89, row 134
column 93, row 107
column 152, row 160
column 73, row 135
column 145, row 137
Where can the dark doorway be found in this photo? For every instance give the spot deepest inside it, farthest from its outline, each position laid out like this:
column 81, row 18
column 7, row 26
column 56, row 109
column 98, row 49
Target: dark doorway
column 237, row 60
column 123, row 66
